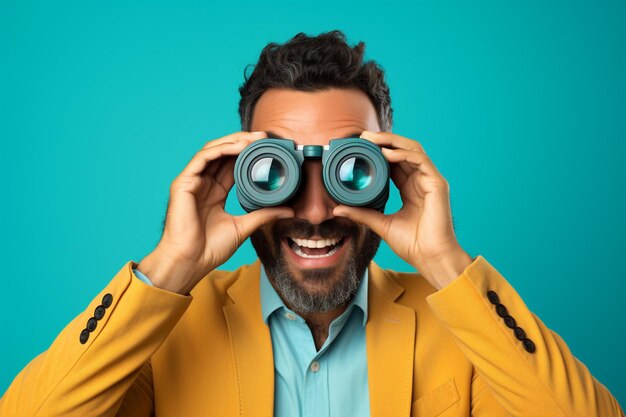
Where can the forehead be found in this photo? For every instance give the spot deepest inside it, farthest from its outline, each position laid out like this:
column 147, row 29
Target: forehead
column 314, row 117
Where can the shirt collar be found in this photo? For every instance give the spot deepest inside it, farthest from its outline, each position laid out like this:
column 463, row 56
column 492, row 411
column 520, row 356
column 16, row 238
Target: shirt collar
column 271, row 301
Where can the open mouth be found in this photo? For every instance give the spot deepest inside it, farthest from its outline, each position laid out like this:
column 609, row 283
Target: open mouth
column 320, row 248
column 311, row 253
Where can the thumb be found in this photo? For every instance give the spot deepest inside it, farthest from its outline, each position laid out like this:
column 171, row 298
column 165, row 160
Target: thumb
column 373, row 219
column 248, row 223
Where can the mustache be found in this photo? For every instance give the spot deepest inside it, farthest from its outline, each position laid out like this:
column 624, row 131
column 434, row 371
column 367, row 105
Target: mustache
column 328, row 229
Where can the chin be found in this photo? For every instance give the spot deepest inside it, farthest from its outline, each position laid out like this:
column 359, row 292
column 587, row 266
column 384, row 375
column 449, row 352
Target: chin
column 318, row 281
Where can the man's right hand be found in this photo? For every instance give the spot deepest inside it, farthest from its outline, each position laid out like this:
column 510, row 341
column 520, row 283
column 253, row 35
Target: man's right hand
column 199, row 235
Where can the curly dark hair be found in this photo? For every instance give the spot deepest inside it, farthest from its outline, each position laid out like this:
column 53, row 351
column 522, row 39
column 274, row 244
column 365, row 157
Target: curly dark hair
column 311, row 64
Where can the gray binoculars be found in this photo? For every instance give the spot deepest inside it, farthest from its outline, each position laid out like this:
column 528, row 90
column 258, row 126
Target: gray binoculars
column 268, row 172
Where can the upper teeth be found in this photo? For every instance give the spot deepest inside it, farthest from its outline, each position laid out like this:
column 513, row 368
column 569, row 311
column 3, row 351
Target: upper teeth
column 315, row 243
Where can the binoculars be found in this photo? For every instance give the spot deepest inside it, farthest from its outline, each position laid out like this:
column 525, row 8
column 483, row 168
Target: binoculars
column 268, row 172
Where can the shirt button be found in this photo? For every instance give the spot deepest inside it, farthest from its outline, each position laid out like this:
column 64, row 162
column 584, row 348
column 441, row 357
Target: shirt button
column 290, row 316
column 315, row 366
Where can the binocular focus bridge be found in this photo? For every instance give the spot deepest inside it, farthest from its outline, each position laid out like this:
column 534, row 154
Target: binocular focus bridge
column 312, row 151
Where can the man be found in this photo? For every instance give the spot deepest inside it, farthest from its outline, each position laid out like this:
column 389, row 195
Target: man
column 315, row 328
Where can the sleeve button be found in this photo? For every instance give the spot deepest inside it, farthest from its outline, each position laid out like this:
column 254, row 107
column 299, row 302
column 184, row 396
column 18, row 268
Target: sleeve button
column 493, row 297
column 501, row 310
column 92, row 323
column 510, row 322
column 98, row 312
column 107, row 300
column 519, row 333
column 529, row 345
column 84, row 336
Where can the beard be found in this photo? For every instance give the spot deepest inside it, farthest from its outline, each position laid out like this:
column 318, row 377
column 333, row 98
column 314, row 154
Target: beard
column 321, row 289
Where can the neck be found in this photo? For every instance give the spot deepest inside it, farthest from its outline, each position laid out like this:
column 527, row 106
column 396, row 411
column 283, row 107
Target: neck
column 319, row 323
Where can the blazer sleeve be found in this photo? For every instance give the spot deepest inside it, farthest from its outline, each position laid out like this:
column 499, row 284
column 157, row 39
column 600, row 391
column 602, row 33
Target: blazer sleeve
column 99, row 355
column 527, row 367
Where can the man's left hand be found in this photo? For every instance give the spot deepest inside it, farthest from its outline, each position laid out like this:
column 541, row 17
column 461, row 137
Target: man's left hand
column 421, row 232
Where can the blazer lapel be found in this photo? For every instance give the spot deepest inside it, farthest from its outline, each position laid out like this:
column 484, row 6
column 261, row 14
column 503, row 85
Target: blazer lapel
column 390, row 343
column 252, row 345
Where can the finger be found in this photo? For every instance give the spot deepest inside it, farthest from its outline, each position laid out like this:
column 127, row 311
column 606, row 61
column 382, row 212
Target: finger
column 403, row 167
column 398, row 176
column 226, row 169
column 375, row 220
column 415, row 159
column 214, row 167
column 235, row 137
column 248, row 223
column 392, row 140
column 400, row 171
column 204, row 157
column 226, row 176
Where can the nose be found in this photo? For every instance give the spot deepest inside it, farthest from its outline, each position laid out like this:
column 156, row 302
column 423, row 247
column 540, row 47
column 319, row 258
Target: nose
column 312, row 203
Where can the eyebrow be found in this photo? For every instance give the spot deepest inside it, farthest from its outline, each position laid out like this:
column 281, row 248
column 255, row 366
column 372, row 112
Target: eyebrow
column 271, row 134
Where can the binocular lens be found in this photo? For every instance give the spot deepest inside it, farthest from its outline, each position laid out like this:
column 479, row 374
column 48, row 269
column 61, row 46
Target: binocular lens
column 355, row 173
column 267, row 173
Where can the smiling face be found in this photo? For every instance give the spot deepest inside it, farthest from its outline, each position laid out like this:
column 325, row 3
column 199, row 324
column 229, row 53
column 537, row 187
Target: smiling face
column 315, row 260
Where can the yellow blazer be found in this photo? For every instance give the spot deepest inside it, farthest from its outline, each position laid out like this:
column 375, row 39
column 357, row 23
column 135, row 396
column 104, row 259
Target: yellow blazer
column 429, row 353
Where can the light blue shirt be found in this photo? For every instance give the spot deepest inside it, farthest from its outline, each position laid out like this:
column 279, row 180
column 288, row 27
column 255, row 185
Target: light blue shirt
column 331, row 382
column 308, row 383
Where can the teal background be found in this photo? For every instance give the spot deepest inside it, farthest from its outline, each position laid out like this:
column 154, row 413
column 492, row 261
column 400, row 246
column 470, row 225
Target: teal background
column 521, row 105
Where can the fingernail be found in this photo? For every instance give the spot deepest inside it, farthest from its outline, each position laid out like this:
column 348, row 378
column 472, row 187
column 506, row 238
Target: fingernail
column 284, row 215
column 258, row 133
